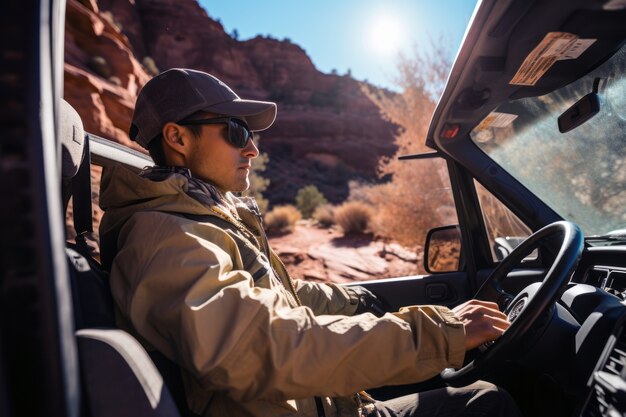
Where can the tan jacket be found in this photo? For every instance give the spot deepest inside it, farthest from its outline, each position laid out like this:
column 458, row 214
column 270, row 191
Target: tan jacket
column 212, row 298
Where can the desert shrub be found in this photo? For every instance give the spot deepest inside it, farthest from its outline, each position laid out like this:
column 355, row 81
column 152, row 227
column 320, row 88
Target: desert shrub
column 353, row 217
column 417, row 197
column 415, row 201
column 150, row 65
column 308, row 199
column 100, row 66
column 324, row 215
column 282, row 219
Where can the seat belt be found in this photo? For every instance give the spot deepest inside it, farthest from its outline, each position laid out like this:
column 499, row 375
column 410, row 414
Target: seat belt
column 81, row 198
column 320, row 407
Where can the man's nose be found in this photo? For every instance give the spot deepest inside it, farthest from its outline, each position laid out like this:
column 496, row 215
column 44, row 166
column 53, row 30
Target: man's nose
column 250, row 150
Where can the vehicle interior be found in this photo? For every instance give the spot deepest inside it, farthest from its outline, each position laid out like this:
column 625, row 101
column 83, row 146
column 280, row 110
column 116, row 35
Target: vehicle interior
column 533, row 114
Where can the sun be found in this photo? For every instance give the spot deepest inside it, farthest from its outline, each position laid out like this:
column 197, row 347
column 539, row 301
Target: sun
column 387, row 35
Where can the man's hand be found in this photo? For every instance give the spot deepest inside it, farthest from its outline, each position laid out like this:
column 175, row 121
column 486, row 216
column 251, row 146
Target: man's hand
column 368, row 302
column 483, row 322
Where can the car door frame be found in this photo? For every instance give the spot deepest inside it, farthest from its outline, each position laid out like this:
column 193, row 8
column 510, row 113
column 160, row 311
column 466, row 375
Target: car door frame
column 38, row 360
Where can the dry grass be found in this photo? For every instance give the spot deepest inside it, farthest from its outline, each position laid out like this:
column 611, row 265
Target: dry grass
column 354, row 217
column 282, row 219
column 324, row 215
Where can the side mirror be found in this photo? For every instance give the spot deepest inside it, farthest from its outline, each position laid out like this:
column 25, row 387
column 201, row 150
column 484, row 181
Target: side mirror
column 442, row 251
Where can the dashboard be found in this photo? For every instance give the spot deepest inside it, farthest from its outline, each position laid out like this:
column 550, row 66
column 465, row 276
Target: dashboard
column 610, row 278
column 574, row 361
column 601, row 276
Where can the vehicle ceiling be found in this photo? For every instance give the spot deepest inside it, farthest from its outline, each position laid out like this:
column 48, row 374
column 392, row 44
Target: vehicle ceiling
column 501, row 36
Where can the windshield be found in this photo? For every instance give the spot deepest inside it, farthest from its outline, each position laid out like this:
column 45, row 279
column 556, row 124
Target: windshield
column 580, row 174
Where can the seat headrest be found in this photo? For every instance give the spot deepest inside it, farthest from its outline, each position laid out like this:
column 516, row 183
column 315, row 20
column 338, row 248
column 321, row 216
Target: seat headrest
column 72, row 139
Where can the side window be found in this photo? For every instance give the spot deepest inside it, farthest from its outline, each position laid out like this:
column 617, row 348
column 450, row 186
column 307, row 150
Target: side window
column 504, row 229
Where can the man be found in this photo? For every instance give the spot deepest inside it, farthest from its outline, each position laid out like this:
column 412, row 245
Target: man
column 193, row 277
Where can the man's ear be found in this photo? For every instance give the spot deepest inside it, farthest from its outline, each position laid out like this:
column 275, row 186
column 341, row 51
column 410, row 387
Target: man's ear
column 176, row 141
column 172, row 133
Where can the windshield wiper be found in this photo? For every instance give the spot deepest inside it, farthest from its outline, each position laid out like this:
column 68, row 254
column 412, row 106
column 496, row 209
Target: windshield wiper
column 618, row 235
column 605, row 238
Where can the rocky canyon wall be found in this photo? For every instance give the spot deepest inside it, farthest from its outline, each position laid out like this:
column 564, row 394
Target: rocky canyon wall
column 326, row 133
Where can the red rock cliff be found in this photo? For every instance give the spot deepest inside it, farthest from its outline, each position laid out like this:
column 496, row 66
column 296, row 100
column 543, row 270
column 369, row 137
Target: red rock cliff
column 326, row 133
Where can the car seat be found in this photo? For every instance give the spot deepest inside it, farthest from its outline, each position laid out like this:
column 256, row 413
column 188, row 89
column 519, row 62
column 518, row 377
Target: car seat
column 118, row 378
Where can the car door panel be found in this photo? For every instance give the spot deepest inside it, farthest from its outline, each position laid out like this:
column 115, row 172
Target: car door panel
column 447, row 289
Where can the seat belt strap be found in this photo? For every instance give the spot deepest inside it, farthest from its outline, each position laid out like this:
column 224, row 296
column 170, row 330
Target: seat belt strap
column 320, row 407
column 81, row 196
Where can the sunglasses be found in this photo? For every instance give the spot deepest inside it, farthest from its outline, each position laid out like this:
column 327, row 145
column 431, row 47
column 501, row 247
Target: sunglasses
column 239, row 133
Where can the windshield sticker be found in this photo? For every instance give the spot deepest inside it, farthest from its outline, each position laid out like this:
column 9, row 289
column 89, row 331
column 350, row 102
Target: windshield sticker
column 483, row 132
column 574, row 50
column 555, row 46
column 496, row 119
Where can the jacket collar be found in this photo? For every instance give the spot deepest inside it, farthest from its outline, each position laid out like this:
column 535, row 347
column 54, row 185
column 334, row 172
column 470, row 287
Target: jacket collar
column 204, row 192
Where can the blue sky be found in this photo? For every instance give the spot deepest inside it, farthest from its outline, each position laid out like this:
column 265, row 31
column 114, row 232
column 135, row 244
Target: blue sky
column 363, row 36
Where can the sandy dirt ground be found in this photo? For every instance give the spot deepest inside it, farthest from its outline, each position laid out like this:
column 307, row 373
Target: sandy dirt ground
column 317, row 254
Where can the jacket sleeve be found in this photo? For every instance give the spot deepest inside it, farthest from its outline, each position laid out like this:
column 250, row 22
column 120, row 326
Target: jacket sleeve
column 179, row 286
column 326, row 298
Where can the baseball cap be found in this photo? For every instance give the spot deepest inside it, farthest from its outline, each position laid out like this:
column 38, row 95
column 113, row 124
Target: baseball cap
column 179, row 92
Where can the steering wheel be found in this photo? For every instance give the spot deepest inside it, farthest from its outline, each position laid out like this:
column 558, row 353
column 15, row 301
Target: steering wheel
column 529, row 304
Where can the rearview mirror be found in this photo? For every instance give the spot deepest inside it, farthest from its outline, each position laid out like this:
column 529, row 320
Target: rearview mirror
column 442, row 251
column 581, row 111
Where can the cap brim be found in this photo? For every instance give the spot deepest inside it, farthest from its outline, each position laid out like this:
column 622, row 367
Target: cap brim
column 259, row 115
